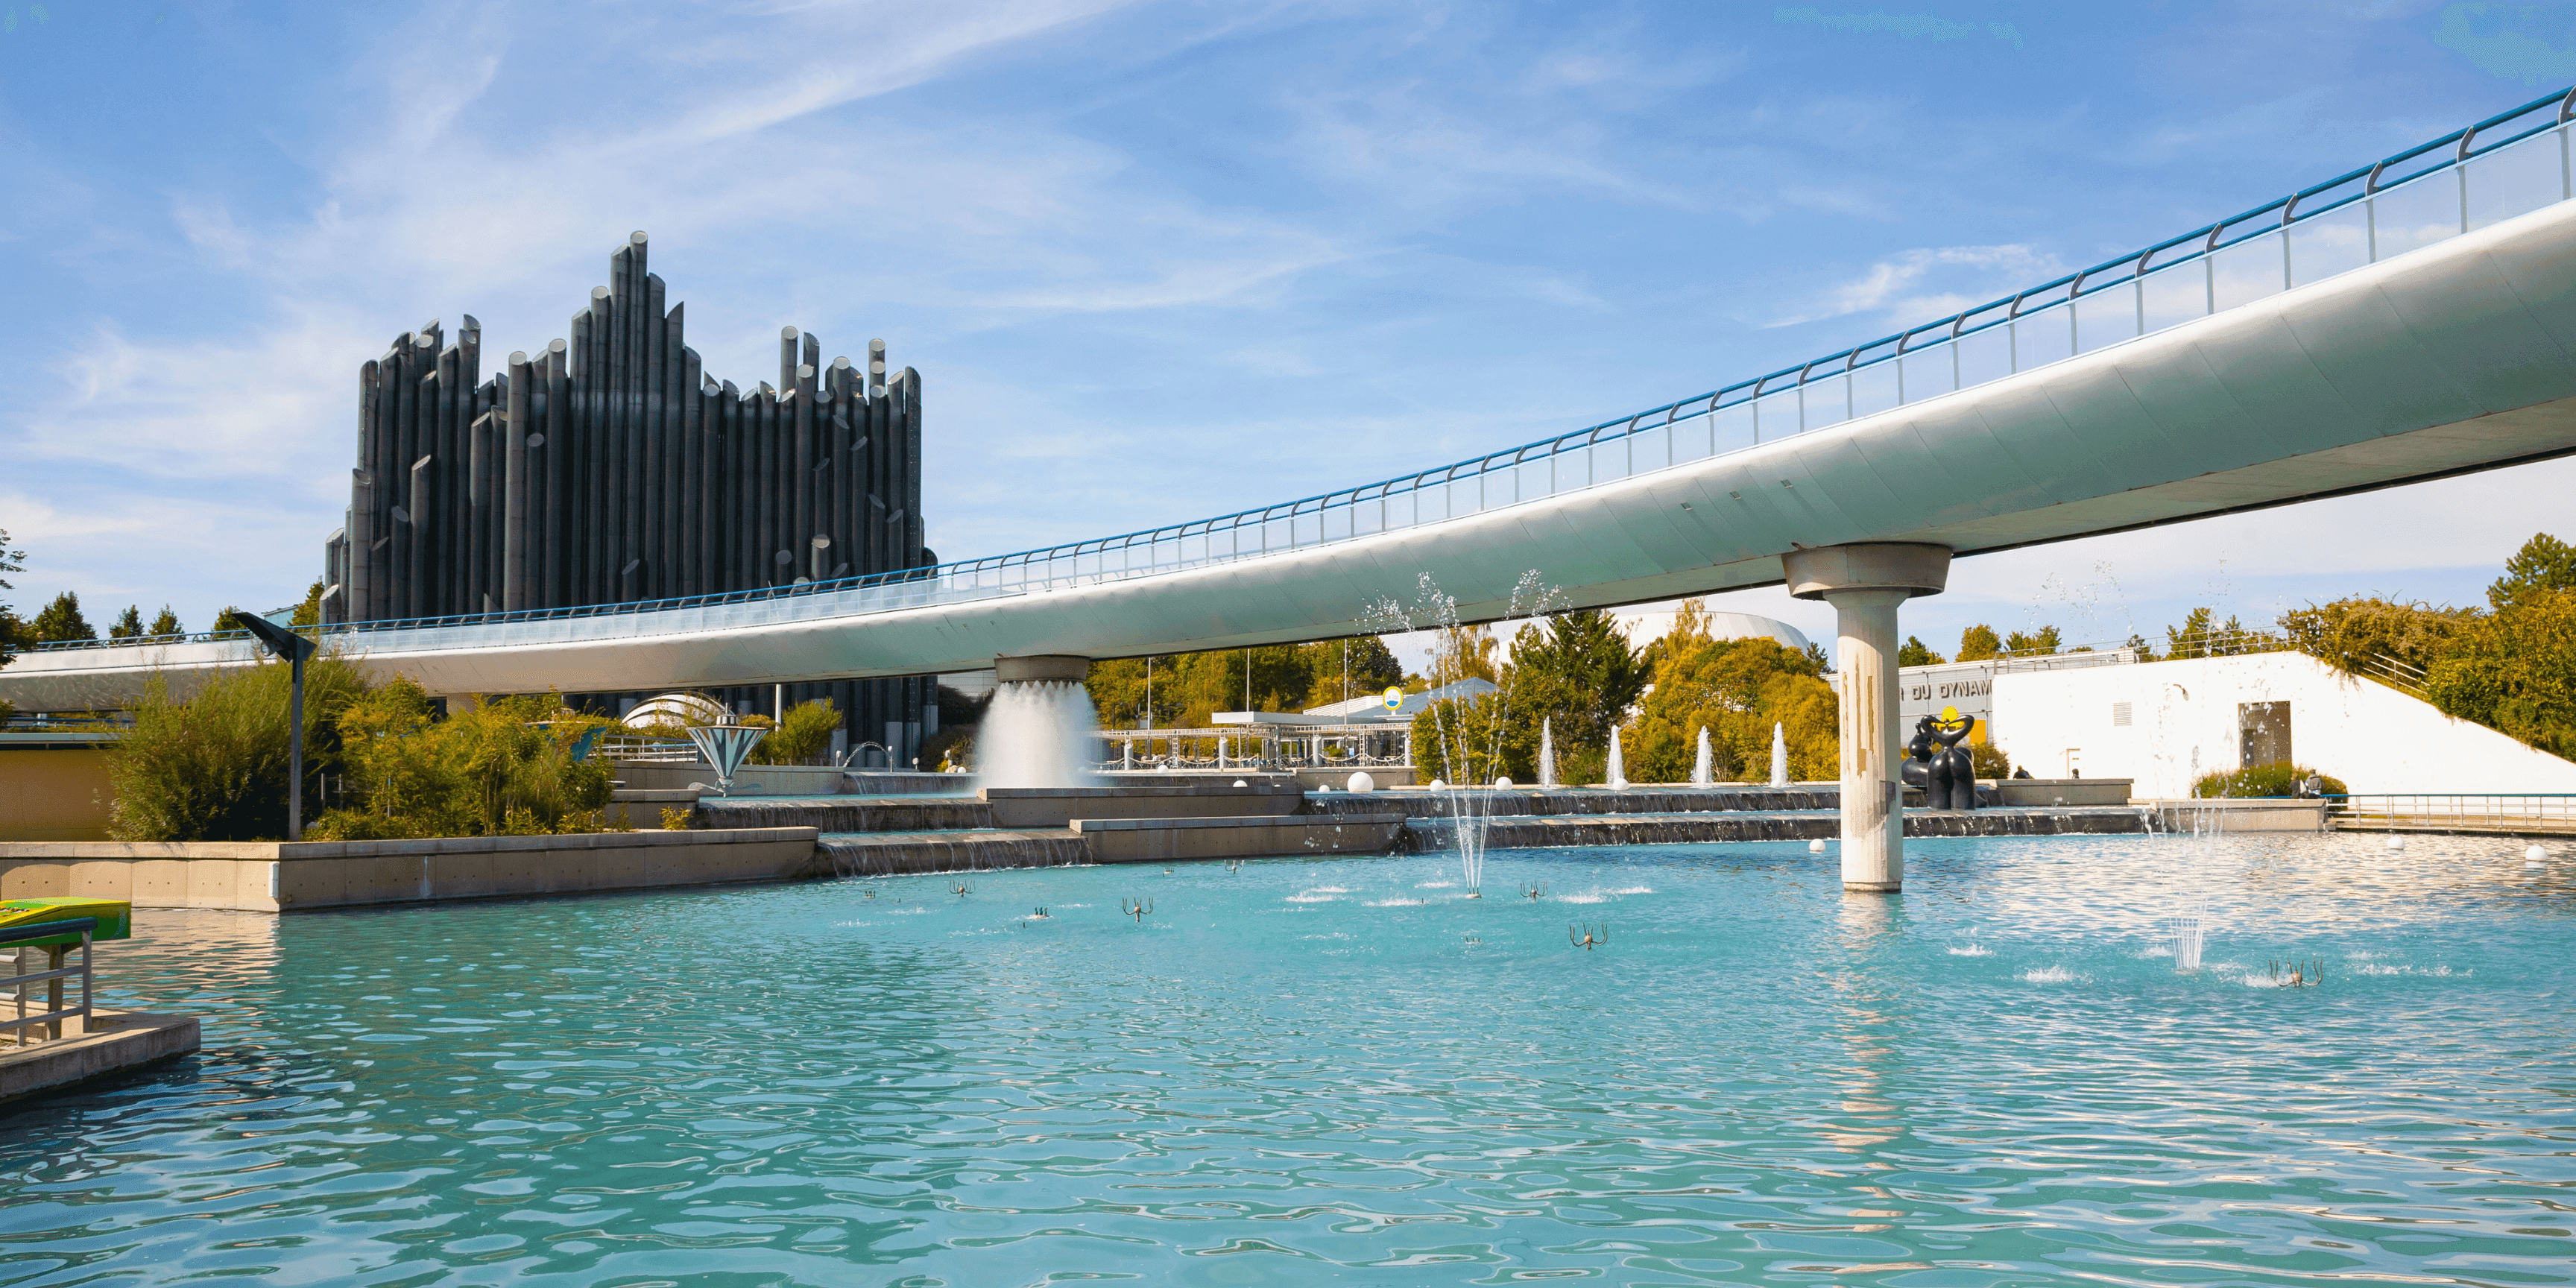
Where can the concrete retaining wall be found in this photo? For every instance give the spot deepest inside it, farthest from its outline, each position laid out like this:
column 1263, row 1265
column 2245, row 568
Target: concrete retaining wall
column 763, row 780
column 848, row 813
column 1059, row 806
column 1161, row 840
column 1541, row 801
column 2258, row 815
column 277, row 876
column 886, row 854
column 1758, row 825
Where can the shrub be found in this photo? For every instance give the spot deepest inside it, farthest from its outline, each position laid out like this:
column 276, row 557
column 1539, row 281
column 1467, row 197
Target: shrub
column 214, row 767
column 803, row 735
column 505, row 768
column 2280, row 778
column 1989, row 761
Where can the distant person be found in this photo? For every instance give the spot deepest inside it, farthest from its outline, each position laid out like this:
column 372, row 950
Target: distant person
column 2022, row 771
column 2312, row 786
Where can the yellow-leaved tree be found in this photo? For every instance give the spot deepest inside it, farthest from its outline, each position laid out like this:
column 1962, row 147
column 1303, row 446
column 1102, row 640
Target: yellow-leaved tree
column 1737, row 690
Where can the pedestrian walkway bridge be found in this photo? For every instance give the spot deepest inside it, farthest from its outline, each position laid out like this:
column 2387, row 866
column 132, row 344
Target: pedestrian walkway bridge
column 2407, row 320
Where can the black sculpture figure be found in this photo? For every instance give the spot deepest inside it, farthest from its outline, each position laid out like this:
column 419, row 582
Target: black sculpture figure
column 1935, row 762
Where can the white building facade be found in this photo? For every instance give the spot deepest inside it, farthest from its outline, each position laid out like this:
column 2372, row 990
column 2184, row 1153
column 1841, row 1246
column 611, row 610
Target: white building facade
column 2165, row 724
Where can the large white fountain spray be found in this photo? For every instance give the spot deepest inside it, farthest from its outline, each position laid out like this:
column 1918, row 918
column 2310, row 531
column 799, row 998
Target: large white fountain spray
column 1039, row 730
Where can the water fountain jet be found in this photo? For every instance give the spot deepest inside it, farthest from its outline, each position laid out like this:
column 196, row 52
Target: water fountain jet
column 1038, row 732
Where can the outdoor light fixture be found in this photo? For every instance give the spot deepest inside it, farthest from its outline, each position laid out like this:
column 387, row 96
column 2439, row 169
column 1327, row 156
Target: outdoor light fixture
column 294, row 648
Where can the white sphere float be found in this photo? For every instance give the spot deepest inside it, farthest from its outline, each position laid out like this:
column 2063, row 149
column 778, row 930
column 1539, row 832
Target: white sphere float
column 1439, row 786
column 1502, row 784
column 1361, row 782
column 2397, row 843
column 1815, row 847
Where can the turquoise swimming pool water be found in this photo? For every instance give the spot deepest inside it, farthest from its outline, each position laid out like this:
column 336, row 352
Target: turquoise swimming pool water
column 1341, row 1072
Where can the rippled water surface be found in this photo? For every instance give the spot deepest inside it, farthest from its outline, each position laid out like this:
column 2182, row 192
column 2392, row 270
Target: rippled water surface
column 1343, row 1072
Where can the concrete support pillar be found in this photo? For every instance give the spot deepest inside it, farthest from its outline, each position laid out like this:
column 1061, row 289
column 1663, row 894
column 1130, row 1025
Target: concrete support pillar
column 1865, row 582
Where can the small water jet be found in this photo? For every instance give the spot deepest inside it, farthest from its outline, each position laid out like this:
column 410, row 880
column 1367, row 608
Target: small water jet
column 1704, row 765
column 1453, row 742
column 1546, row 754
column 1779, row 756
column 1618, row 765
column 2184, row 936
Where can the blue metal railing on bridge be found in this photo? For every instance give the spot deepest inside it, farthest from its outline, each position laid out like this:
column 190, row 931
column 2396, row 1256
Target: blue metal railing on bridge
column 2509, row 164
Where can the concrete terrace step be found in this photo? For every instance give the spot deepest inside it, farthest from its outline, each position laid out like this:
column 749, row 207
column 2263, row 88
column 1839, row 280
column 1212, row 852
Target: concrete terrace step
column 1533, row 801
column 885, row 854
column 847, row 813
column 1157, row 840
column 1526, row 832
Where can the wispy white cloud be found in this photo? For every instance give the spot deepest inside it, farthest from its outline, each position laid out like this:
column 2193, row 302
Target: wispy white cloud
column 1920, row 285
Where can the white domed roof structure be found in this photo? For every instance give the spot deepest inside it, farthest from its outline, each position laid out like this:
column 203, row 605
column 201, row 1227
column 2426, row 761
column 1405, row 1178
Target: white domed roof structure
column 676, row 709
column 1646, row 623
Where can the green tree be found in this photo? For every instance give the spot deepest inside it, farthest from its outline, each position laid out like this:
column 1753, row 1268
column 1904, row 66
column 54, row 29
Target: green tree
column 13, row 632
column 62, row 620
column 1578, row 673
column 2189, row 640
column 1737, row 690
column 1916, row 653
column 2146, row 652
column 167, row 623
column 2348, row 633
column 2038, row 643
column 1978, row 643
column 309, row 612
column 2544, row 564
column 129, row 624
column 2515, row 671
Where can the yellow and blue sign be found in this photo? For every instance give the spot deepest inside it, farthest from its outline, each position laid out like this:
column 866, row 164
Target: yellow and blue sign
column 1391, row 699
column 115, row 918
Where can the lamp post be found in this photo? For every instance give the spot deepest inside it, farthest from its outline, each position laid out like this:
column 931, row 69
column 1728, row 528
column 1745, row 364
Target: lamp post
column 294, row 648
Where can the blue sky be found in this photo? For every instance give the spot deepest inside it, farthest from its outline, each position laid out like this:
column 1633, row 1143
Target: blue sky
column 1156, row 260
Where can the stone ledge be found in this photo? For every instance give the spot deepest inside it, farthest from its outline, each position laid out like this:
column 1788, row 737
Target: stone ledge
column 1089, row 825
column 116, row 1041
column 296, row 850
column 282, row 877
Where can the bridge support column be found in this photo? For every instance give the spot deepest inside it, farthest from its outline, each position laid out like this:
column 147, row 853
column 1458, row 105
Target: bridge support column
column 1865, row 582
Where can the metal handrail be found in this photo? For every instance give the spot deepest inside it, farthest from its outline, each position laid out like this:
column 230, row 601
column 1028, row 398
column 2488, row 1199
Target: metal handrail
column 2464, row 145
column 17, row 984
